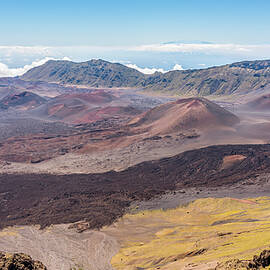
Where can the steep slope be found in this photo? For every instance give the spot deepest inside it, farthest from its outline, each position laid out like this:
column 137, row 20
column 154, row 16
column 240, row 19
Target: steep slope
column 238, row 78
column 24, row 100
column 196, row 236
column 95, row 73
column 185, row 114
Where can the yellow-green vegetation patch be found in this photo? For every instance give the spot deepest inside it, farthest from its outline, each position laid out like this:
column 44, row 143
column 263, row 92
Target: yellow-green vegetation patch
column 204, row 231
column 8, row 233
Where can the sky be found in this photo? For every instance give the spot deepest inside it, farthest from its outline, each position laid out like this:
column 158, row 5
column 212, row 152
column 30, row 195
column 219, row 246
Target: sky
column 146, row 34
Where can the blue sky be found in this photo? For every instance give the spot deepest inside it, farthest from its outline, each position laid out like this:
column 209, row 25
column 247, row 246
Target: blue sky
column 129, row 22
column 119, row 30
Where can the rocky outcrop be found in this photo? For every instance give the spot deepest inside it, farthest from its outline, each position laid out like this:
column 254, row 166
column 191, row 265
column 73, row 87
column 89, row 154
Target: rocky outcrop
column 19, row 261
column 258, row 262
column 232, row 264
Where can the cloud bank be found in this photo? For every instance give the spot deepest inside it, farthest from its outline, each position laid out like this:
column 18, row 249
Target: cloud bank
column 202, row 47
column 14, row 60
column 5, row 71
column 171, row 47
column 153, row 70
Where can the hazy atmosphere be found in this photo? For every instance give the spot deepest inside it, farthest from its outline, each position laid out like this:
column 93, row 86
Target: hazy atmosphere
column 150, row 35
column 135, row 135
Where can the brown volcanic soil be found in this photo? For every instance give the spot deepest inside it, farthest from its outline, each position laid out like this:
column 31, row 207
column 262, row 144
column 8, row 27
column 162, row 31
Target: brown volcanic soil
column 39, row 147
column 25, row 100
column 99, row 199
column 185, row 114
column 261, row 103
column 228, row 161
column 80, row 108
column 191, row 117
column 124, row 113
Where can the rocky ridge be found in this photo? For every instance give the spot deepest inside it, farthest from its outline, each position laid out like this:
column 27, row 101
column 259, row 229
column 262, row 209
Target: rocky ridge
column 19, row 261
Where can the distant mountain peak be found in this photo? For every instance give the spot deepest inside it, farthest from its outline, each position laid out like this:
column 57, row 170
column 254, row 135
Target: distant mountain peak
column 240, row 77
column 255, row 65
column 95, row 73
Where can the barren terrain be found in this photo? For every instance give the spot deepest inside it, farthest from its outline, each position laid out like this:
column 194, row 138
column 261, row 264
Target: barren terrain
column 86, row 174
column 113, row 143
column 100, row 199
column 60, row 247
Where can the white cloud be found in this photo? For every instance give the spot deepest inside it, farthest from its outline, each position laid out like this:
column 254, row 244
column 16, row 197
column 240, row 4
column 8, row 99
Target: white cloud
column 206, row 48
column 177, row 67
column 153, row 70
column 160, row 47
column 25, row 49
column 5, row 71
column 19, row 57
column 146, row 70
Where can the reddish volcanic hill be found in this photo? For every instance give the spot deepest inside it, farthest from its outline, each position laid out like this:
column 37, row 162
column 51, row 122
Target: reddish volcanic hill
column 85, row 107
column 96, row 97
column 184, row 114
column 26, row 100
column 181, row 121
column 259, row 104
column 97, row 114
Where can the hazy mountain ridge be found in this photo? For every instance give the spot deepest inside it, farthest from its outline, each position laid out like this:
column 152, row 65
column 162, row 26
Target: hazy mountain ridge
column 95, row 73
column 234, row 78
column 239, row 78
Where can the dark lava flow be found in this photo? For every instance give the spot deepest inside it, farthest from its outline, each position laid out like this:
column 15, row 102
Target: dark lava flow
column 100, row 199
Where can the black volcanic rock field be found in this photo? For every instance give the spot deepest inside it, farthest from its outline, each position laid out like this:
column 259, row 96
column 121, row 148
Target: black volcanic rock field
column 99, row 199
